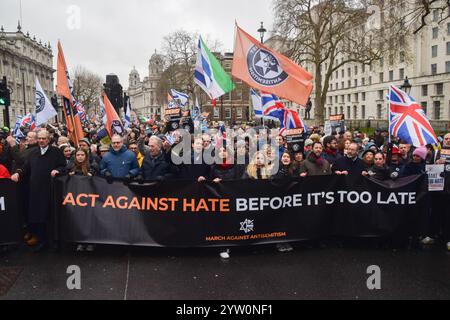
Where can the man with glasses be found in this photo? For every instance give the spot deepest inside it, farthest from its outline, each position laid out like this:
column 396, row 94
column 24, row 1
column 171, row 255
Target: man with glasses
column 44, row 162
column 119, row 162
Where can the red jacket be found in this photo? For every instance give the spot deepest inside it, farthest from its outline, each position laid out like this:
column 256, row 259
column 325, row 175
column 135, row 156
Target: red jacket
column 4, row 173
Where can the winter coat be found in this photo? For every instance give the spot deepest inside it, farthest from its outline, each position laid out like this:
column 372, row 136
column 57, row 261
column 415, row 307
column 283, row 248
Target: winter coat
column 352, row 166
column 119, row 163
column 155, row 168
column 313, row 169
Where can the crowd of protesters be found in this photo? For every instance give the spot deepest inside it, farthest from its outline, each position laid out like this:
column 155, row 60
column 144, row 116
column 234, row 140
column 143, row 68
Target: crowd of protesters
column 146, row 153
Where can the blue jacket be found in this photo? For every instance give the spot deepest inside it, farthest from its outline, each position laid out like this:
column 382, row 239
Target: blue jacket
column 120, row 163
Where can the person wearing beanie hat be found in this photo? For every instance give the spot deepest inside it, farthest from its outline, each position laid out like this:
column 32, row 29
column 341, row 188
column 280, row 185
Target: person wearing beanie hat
column 418, row 164
column 395, row 166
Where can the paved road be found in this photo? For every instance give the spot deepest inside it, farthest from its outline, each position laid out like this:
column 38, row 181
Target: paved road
column 331, row 272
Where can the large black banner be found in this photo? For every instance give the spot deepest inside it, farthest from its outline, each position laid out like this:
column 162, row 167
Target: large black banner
column 9, row 213
column 186, row 214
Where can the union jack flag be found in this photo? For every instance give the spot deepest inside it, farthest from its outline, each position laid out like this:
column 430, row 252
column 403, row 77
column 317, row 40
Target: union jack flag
column 408, row 121
column 81, row 112
column 28, row 121
column 273, row 108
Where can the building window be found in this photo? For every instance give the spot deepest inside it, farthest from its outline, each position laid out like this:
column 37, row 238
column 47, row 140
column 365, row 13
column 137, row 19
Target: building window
column 437, row 110
column 434, row 69
column 356, row 97
column 349, row 83
column 363, row 112
column 239, row 113
column 348, row 113
column 335, row 110
column 363, row 96
column 439, row 88
column 381, row 62
column 447, row 66
column 380, row 94
column 448, row 48
column 402, row 56
column 381, row 77
column 424, row 90
column 337, row 74
column 342, row 100
column 424, row 106
column 402, row 73
column 342, row 110
column 435, row 32
column 349, row 72
column 342, row 85
column 227, row 113
column 355, row 112
column 216, row 113
column 336, row 99
column 342, row 73
column 379, row 113
column 337, row 85
column 349, row 97
column 434, row 51
column 435, row 15
column 363, row 81
column 356, row 70
column 370, row 80
column 329, row 112
column 448, row 29
column 391, row 75
column 331, row 87
column 356, row 82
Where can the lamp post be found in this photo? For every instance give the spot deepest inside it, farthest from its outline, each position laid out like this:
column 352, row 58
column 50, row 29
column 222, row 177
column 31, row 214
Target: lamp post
column 406, row 86
column 262, row 31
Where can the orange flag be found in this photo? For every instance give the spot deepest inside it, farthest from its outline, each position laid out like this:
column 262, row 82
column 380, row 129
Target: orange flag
column 270, row 71
column 64, row 88
column 113, row 123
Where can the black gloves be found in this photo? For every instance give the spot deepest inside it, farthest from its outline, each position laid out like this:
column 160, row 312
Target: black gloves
column 140, row 179
column 109, row 177
column 127, row 179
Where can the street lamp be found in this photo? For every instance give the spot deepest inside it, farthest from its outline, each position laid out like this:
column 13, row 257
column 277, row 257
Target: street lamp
column 406, row 86
column 262, row 31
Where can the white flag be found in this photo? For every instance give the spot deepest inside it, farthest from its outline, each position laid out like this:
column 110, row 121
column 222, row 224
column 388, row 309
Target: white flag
column 44, row 108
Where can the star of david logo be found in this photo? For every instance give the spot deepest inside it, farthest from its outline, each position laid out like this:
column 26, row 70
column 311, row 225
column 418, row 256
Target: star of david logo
column 264, row 67
column 247, row 226
column 40, row 102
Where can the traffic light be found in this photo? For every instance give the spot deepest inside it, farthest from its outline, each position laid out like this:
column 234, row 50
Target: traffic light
column 5, row 100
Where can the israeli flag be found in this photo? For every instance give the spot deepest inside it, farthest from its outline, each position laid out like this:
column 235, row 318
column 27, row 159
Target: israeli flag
column 257, row 104
column 127, row 120
column 182, row 97
column 17, row 133
column 44, row 108
column 102, row 108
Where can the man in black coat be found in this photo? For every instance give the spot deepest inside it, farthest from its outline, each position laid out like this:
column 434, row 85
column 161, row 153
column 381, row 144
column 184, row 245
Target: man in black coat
column 155, row 166
column 197, row 169
column 42, row 164
column 350, row 164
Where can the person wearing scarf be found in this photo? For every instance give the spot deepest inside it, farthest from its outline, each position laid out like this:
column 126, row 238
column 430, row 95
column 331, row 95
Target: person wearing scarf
column 315, row 164
column 331, row 153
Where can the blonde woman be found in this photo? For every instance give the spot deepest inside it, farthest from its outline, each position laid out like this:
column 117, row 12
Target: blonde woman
column 258, row 167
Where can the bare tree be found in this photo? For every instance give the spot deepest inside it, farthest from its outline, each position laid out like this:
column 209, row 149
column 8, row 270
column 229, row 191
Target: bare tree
column 329, row 34
column 87, row 87
column 421, row 12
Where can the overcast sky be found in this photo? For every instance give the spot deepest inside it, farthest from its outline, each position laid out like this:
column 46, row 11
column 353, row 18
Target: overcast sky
column 115, row 35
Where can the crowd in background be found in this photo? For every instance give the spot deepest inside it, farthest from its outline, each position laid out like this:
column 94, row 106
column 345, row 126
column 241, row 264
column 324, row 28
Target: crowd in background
column 146, row 152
